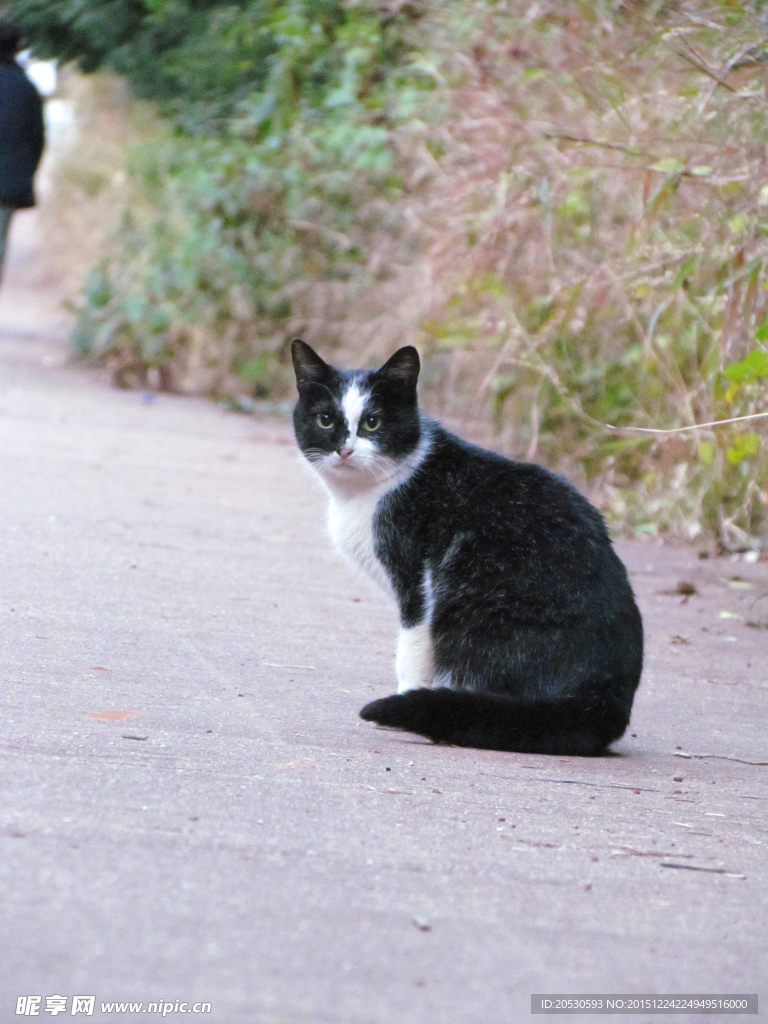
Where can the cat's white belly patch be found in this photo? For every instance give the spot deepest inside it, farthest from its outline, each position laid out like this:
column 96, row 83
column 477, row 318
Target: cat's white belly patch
column 351, row 527
column 414, row 663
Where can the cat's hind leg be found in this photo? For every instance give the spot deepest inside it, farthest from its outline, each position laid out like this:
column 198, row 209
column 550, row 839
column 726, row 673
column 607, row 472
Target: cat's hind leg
column 415, row 661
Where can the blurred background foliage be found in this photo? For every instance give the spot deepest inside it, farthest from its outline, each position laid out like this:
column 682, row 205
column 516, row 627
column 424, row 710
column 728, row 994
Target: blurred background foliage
column 562, row 203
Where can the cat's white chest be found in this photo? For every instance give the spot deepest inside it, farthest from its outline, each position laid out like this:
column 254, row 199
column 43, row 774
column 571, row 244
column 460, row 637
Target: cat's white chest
column 350, row 521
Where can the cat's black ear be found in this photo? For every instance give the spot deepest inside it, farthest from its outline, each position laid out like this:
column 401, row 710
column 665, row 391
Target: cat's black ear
column 402, row 369
column 307, row 364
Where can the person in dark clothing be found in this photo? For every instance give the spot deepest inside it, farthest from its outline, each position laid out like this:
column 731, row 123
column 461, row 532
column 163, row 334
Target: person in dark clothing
column 21, row 134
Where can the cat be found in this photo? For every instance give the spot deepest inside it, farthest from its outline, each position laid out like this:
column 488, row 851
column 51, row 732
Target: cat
column 519, row 630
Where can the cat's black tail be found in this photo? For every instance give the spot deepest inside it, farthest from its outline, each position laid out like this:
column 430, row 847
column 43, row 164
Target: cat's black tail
column 582, row 726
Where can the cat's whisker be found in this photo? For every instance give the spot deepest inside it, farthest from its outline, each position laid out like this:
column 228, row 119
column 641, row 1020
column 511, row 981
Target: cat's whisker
column 315, row 455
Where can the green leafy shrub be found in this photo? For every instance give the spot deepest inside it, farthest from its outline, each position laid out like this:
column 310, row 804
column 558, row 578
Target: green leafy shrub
column 231, row 230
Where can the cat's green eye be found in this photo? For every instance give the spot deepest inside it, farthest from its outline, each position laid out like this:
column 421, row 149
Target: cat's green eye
column 324, row 420
column 371, row 422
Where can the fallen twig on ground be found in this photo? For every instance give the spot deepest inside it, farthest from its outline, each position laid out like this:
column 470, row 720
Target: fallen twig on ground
column 711, row 871
column 719, row 757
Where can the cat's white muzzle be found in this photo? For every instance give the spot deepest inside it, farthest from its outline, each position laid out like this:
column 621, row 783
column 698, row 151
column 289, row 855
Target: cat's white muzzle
column 359, row 469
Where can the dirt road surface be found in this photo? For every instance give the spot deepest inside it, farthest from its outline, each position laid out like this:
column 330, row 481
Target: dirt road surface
column 194, row 812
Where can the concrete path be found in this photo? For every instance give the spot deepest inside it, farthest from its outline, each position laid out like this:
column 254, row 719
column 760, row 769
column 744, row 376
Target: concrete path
column 194, row 812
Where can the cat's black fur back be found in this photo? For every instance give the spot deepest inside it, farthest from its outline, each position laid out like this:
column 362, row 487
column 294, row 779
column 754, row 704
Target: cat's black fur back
column 515, row 609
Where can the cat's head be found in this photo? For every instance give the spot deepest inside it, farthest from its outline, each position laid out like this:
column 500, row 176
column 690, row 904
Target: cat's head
column 356, row 426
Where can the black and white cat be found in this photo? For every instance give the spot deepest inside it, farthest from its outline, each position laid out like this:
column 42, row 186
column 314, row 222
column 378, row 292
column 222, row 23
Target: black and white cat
column 519, row 629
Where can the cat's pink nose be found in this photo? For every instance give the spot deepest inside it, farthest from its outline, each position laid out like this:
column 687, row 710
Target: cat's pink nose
column 346, row 451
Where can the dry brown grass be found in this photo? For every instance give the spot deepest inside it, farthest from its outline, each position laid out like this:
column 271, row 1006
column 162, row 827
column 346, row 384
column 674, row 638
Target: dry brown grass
column 590, row 195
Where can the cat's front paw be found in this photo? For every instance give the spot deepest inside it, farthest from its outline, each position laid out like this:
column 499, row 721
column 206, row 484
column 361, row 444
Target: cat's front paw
column 414, row 663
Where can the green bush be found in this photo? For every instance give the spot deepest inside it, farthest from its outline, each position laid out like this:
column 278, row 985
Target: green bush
column 231, row 227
